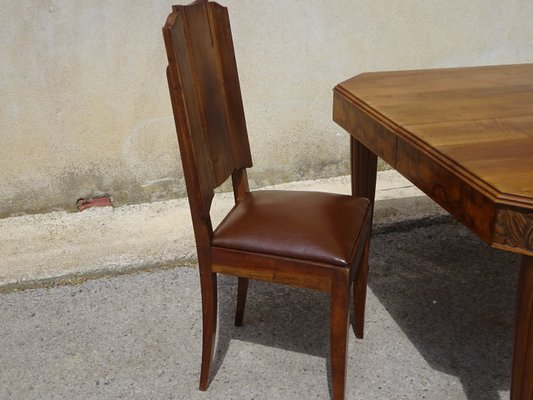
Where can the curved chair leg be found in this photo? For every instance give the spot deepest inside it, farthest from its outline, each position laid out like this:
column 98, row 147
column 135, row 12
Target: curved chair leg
column 339, row 319
column 359, row 294
column 242, row 290
column 208, row 283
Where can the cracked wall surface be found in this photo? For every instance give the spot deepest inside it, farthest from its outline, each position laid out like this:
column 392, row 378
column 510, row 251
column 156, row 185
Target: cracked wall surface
column 84, row 104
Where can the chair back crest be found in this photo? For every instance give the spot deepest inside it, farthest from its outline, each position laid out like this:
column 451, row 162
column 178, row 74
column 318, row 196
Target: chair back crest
column 206, row 98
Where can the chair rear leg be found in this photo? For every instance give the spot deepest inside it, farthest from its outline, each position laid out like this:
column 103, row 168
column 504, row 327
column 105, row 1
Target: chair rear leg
column 339, row 320
column 359, row 294
column 242, row 290
column 208, row 283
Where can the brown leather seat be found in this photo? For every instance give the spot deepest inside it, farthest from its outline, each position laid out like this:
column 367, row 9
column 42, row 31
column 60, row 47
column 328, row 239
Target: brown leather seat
column 314, row 226
column 306, row 239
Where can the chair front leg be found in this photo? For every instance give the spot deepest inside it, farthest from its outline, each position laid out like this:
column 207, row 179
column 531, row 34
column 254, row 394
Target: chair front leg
column 359, row 294
column 208, row 283
column 339, row 319
column 242, row 290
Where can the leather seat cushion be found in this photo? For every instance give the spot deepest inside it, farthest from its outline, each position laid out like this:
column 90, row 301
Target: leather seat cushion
column 313, row 226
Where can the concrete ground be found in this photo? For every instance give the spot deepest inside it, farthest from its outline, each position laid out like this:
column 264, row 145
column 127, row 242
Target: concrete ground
column 440, row 310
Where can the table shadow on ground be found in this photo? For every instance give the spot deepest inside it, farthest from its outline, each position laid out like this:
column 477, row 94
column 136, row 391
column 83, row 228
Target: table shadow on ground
column 454, row 297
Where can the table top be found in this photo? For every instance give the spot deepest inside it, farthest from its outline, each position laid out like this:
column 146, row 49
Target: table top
column 463, row 135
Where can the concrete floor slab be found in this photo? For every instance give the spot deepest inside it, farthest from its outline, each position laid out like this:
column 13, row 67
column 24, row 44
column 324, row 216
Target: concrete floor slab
column 439, row 326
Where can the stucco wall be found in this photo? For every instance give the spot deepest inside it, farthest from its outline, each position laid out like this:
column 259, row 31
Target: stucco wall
column 84, row 106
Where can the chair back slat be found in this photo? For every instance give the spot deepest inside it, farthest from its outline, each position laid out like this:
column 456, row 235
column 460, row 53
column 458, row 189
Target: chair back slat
column 238, row 134
column 195, row 157
column 206, row 96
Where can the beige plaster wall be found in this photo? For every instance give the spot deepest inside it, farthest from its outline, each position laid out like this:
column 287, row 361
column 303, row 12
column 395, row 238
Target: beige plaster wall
column 84, row 107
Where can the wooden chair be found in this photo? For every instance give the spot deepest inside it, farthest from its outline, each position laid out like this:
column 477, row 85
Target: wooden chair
column 304, row 239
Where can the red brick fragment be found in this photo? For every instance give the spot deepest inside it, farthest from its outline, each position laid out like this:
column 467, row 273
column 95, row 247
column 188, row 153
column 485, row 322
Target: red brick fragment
column 84, row 204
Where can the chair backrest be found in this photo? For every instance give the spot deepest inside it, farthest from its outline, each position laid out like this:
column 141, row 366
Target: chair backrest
column 206, row 100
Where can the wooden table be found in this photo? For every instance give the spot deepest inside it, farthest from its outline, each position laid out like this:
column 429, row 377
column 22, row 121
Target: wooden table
column 464, row 136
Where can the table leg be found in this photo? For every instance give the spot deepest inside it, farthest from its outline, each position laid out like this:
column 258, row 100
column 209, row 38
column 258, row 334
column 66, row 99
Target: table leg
column 364, row 167
column 522, row 376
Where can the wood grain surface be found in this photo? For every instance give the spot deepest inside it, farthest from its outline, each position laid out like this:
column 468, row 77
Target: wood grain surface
column 463, row 135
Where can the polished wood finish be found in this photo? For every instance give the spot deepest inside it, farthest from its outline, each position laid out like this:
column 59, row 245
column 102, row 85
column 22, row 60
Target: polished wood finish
column 211, row 129
column 242, row 290
column 363, row 169
column 465, row 137
column 462, row 135
column 522, row 380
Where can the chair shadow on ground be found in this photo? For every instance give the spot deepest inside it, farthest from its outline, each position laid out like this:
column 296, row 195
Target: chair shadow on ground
column 452, row 295
column 276, row 316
